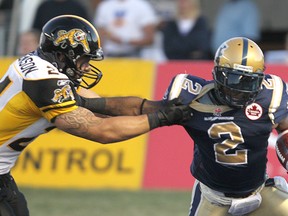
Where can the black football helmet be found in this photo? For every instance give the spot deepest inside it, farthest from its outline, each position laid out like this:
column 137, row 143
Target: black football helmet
column 238, row 72
column 72, row 37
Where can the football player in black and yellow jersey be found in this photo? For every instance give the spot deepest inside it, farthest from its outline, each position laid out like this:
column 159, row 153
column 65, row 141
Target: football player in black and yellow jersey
column 233, row 116
column 47, row 88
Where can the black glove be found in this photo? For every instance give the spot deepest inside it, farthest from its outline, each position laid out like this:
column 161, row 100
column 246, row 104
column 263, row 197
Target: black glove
column 174, row 114
column 173, row 102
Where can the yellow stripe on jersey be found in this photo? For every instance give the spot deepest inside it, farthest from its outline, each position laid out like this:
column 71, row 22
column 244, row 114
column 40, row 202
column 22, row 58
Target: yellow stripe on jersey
column 56, row 106
column 19, row 113
column 276, row 96
column 51, row 111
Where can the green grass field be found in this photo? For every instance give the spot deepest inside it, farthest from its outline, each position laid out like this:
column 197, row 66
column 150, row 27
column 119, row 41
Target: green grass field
column 54, row 202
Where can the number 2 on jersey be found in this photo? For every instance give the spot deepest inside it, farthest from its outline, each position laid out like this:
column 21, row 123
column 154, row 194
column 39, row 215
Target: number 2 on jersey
column 222, row 155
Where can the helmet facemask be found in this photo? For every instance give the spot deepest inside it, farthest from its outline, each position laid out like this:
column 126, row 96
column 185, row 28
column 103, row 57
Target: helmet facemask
column 84, row 79
column 80, row 77
column 236, row 88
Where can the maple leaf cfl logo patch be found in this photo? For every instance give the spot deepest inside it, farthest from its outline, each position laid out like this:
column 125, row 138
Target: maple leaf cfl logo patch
column 217, row 112
column 254, row 111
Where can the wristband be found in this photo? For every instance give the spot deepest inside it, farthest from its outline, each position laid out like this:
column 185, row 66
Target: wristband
column 96, row 105
column 153, row 120
column 142, row 105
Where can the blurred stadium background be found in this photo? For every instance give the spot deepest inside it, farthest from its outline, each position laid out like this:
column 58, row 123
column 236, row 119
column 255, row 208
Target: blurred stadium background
column 274, row 24
column 148, row 175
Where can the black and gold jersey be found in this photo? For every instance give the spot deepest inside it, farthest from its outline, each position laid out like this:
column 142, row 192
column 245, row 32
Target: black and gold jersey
column 32, row 93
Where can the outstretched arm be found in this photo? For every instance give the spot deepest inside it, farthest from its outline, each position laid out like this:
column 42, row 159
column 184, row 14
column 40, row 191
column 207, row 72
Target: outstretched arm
column 83, row 123
column 118, row 106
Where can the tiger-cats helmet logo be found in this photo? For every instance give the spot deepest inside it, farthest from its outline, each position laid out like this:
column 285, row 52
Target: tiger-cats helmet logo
column 75, row 37
column 63, row 94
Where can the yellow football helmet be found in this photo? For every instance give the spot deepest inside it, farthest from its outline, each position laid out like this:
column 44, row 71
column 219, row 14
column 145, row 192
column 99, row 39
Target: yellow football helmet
column 238, row 71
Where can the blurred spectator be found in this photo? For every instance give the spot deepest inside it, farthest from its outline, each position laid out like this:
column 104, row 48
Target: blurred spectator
column 51, row 8
column 125, row 26
column 93, row 5
column 5, row 19
column 236, row 18
column 187, row 36
column 27, row 19
column 6, row 4
column 28, row 41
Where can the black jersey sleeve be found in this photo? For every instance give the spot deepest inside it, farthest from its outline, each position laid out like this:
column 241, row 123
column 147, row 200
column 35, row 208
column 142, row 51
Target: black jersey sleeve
column 51, row 96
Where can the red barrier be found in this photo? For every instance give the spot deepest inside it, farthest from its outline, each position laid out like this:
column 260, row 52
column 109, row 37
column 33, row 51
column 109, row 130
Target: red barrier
column 170, row 149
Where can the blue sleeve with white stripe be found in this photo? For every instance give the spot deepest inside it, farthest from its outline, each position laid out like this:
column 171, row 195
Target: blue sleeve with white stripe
column 184, row 86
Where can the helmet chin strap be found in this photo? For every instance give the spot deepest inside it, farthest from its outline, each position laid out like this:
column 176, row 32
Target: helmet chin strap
column 72, row 76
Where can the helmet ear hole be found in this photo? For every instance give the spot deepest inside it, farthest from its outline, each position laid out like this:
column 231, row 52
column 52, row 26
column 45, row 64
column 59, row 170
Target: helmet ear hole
column 71, row 54
column 70, row 72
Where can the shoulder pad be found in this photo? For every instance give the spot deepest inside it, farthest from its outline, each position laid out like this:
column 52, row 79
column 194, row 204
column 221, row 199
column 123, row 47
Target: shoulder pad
column 272, row 82
column 32, row 67
column 185, row 86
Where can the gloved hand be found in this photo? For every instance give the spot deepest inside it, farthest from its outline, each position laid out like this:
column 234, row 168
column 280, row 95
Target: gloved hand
column 175, row 101
column 170, row 115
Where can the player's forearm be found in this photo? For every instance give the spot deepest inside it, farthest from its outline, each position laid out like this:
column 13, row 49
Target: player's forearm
column 118, row 106
column 131, row 106
column 122, row 128
column 83, row 123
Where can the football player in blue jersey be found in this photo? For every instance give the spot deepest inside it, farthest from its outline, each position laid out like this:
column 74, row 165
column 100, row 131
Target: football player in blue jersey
column 233, row 116
column 47, row 88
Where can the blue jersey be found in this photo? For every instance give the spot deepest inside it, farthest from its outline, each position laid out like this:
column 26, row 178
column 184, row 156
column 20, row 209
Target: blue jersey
column 230, row 145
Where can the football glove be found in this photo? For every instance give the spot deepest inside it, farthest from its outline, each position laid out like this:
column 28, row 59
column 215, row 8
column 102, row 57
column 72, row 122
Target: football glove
column 170, row 115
